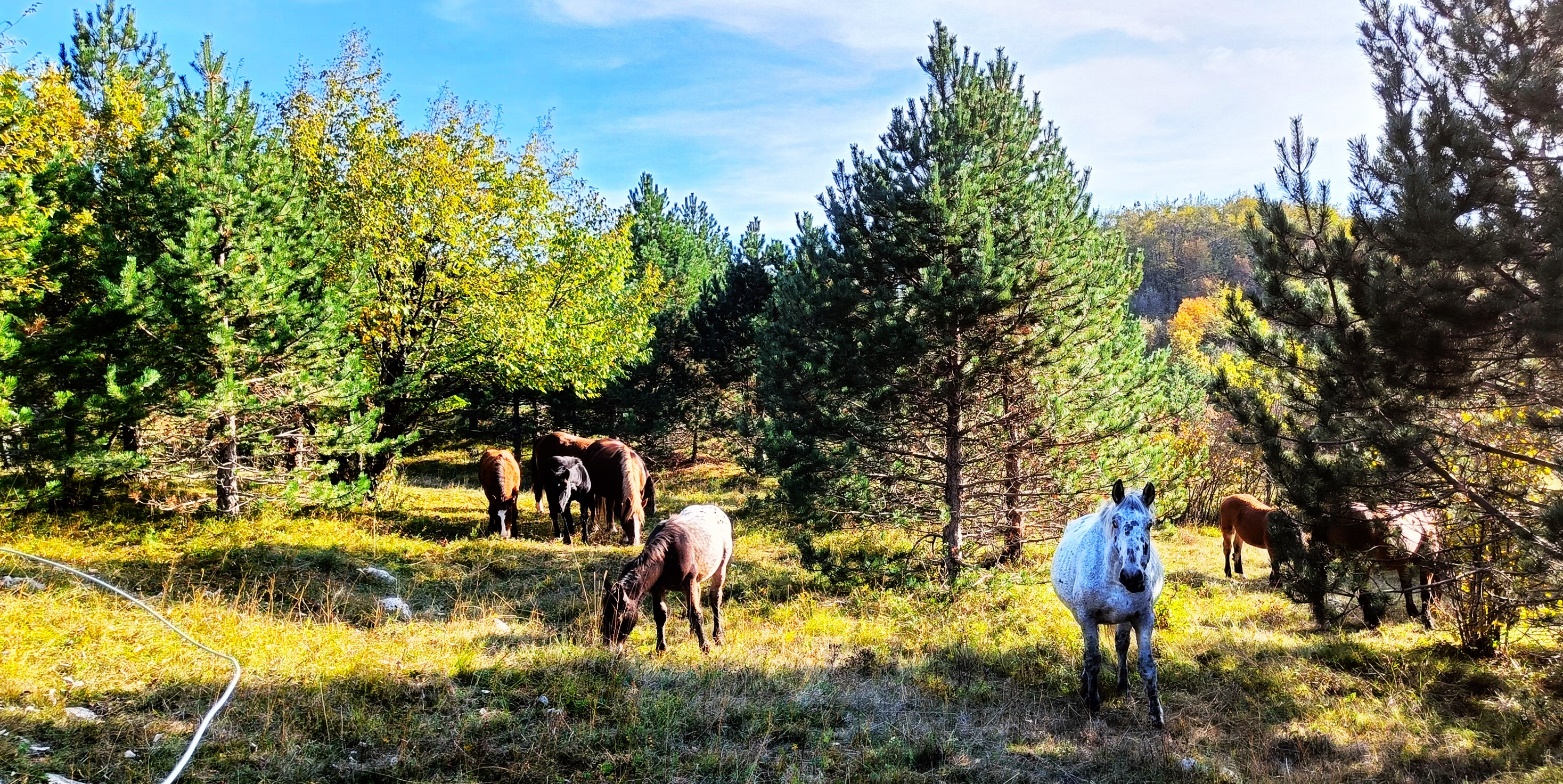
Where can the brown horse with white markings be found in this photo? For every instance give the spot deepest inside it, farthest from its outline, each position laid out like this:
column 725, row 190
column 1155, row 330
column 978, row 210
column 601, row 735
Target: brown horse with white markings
column 1243, row 522
column 500, row 476
column 1393, row 537
column 621, row 487
column 691, row 548
column 555, row 444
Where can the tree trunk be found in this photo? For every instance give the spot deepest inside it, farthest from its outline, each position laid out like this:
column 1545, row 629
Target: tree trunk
column 694, row 445
column 952, row 476
column 226, row 453
column 1014, row 521
column 516, row 438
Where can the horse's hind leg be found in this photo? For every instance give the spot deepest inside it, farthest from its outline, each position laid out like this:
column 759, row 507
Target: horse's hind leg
column 1122, row 642
column 1226, row 550
column 1425, row 577
column 1089, row 675
column 1142, row 633
column 716, row 605
column 692, row 591
column 1237, row 555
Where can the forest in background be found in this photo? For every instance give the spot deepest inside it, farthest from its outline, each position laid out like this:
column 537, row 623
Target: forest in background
column 210, row 303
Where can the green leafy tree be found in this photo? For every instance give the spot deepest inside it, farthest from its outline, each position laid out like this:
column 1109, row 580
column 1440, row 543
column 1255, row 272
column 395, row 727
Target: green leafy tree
column 965, row 310
column 473, row 263
column 669, row 394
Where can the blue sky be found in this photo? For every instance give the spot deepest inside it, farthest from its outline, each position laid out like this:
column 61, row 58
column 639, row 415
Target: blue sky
column 749, row 103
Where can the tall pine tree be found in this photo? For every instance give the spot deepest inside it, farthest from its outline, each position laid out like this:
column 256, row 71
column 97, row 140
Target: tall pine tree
column 258, row 330
column 84, row 372
column 1420, row 345
column 964, row 309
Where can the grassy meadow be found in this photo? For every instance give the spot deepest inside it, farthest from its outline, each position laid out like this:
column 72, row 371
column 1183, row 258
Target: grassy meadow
column 498, row 676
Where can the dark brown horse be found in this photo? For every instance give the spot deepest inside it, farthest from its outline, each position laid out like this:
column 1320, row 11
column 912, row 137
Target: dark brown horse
column 500, row 476
column 1393, row 537
column 692, row 547
column 555, row 444
column 621, row 487
column 1243, row 522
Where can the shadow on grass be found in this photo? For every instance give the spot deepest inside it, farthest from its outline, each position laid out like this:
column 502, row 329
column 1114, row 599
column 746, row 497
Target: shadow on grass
column 970, row 711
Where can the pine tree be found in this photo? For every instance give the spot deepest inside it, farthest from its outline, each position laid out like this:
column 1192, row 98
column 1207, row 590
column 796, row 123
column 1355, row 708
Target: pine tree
column 259, row 331
column 964, row 309
column 1420, row 345
column 84, row 372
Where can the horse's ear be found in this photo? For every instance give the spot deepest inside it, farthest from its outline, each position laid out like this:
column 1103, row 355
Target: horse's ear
column 1148, row 495
column 1118, row 491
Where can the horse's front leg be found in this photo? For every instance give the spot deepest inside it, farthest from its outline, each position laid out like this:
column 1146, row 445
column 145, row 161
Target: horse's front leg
column 1426, row 577
column 692, row 591
column 1142, row 633
column 558, row 505
column 659, row 611
column 1122, row 642
column 566, row 531
column 1237, row 555
column 1404, row 572
column 1090, row 634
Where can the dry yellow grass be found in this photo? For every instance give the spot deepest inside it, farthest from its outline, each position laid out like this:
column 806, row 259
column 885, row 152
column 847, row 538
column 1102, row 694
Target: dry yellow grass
column 816, row 684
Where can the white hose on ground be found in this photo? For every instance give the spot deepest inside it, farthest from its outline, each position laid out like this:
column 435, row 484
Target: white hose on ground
column 206, row 721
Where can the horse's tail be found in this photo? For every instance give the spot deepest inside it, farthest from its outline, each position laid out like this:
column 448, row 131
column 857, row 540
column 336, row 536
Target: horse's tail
column 537, row 484
column 651, row 495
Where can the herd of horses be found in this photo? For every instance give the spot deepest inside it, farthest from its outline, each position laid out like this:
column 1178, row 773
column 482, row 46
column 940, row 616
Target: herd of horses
column 604, row 477
column 1105, row 570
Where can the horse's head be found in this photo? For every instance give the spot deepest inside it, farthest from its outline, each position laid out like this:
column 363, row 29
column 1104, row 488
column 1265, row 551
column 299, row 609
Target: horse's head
column 1131, row 534
column 619, row 613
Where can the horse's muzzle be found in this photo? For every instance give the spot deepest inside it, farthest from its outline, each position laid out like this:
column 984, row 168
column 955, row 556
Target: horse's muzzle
column 1134, row 583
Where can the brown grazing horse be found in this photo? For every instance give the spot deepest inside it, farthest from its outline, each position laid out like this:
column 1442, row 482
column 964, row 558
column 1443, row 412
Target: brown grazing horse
column 1243, row 522
column 500, row 476
column 621, row 487
column 692, row 547
column 555, row 444
column 1391, row 537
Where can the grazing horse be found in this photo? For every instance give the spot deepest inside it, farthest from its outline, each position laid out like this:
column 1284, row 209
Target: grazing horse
column 555, row 444
column 1107, row 571
column 1390, row 537
column 1243, row 522
column 564, row 480
column 500, row 476
column 692, row 547
column 621, row 486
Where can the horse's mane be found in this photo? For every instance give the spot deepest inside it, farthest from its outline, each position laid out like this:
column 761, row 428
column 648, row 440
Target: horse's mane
column 655, row 552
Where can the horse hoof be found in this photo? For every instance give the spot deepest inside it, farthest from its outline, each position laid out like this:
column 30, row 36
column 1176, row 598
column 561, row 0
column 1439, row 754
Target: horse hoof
column 706, row 649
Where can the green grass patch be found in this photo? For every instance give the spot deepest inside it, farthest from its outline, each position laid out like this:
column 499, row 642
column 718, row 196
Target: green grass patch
column 499, row 677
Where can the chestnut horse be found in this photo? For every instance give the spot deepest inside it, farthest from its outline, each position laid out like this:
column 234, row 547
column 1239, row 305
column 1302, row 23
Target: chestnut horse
column 555, row 444
column 1243, row 522
column 621, row 487
column 500, row 476
column 692, row 547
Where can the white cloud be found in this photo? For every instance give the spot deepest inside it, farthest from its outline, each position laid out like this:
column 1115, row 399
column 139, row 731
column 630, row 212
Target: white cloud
column 1159, row 99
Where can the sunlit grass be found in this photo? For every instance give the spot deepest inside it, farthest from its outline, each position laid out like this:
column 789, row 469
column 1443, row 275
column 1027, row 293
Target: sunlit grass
column 816, row 684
